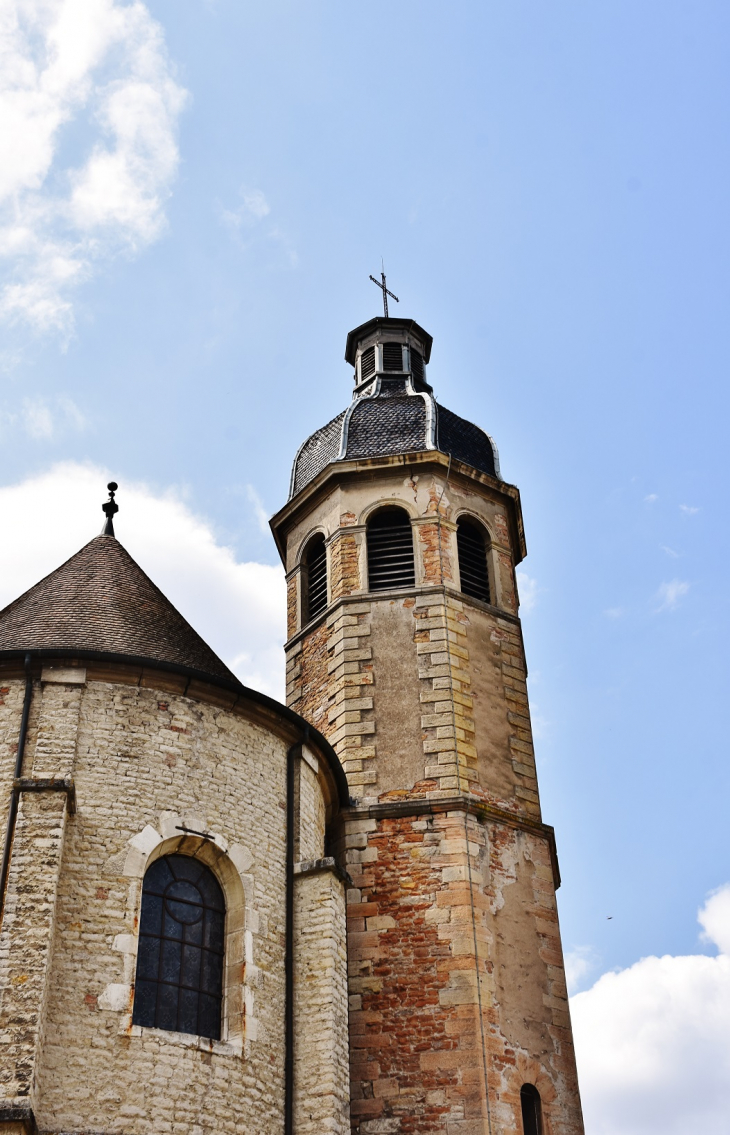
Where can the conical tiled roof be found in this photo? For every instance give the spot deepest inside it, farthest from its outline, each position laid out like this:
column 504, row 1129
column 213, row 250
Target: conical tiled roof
column 101, row 602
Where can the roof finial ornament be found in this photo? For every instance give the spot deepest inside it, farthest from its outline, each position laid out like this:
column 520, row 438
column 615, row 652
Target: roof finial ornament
column 385, row 291
column 110, row 508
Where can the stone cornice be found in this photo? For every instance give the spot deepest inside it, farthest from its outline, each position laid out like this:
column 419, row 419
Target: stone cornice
column 431, row 805
column 338, row 471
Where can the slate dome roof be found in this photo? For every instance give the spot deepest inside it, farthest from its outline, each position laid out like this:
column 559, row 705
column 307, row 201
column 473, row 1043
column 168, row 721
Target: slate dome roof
column 392, row 413
column 101, row 602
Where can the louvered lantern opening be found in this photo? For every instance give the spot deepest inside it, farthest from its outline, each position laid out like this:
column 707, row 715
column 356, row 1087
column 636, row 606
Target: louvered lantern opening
column 367, row 363
column 472, row 548
column 417, row 366
column 390, row 550
column 392, row 356
column 316, row 579
column 531, row 1110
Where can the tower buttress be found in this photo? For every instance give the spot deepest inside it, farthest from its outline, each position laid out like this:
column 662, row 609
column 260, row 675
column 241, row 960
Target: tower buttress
column 405, row 649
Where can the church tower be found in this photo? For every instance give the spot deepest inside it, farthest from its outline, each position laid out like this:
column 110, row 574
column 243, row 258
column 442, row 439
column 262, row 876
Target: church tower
column 400, row 541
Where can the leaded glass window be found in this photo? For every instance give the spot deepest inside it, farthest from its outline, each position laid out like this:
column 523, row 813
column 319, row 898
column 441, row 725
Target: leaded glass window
column 179, row 983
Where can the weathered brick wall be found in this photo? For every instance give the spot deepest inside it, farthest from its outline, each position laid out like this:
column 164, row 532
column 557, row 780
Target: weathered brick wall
column 455, row 967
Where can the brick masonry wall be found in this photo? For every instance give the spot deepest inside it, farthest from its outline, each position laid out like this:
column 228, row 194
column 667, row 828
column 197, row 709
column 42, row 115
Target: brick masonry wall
column 428, row 1014
column 145, row 761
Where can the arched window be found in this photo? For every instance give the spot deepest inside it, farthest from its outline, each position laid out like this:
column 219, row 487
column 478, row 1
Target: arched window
column 531, row 1110
column 179, row 984
column 472, row 548
column 315, row 578
column 390, row 550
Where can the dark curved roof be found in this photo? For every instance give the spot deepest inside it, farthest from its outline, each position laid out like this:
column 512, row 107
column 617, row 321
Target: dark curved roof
column 101, row 601
column 393, row 417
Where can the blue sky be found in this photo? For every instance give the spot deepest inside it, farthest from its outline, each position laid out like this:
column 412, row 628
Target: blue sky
column 548, row 187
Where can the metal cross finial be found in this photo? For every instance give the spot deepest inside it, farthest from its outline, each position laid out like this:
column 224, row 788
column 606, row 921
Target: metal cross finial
column 110, row 508
column 385, row 291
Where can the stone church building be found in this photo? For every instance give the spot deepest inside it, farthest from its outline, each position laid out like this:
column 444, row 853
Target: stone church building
column 222, row 914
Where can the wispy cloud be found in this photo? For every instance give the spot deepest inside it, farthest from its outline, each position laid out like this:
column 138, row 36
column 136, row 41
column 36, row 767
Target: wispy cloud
column 245, row 222
column 529, row 591
column 651, row 498
column 100, row 67
column 688, row 509
column 254, row 207
column 262, row 516
column 614, row 612
column 669, row 552
column 670, row 593
column 43, row 419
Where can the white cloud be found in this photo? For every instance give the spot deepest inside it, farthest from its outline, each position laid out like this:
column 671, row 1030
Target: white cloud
column 651, row 498
column 528, row 591
column 669, row 552
column 688, row 510
column 237, row 607
column 614, row 612
column 578, row 964
column 670, row 593
column 43, row 419
column 99, row 67
column 653, row 1042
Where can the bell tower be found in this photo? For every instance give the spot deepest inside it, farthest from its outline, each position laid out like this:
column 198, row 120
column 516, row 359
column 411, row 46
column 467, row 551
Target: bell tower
column 400, row 540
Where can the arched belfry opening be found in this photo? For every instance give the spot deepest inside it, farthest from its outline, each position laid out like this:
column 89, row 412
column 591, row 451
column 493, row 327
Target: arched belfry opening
column 390, row 550
column 314, row 578
column 472, row 546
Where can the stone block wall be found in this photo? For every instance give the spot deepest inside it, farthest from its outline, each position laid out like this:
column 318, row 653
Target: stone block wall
column 153, row 768
column 322, row 1075
column 457, row 988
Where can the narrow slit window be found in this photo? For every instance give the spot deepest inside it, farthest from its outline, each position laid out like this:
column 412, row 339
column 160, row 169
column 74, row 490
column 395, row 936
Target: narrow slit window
column 315, row 562
column 531, row 1110
column 179, row 982
column 390, row 550
column 472, row 548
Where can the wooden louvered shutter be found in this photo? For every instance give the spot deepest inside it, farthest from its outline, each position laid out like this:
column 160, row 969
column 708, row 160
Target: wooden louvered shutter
column 316, row 581
column 472, row 549
column 367, row 363
column 392, row 356
column 390, row 550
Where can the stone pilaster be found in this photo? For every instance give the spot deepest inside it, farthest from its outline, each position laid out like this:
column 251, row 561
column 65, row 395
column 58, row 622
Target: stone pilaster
column 26, row 938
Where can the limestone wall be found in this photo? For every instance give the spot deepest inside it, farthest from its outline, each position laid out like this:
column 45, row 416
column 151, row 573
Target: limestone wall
column 322, row 1074
column 152, row 768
